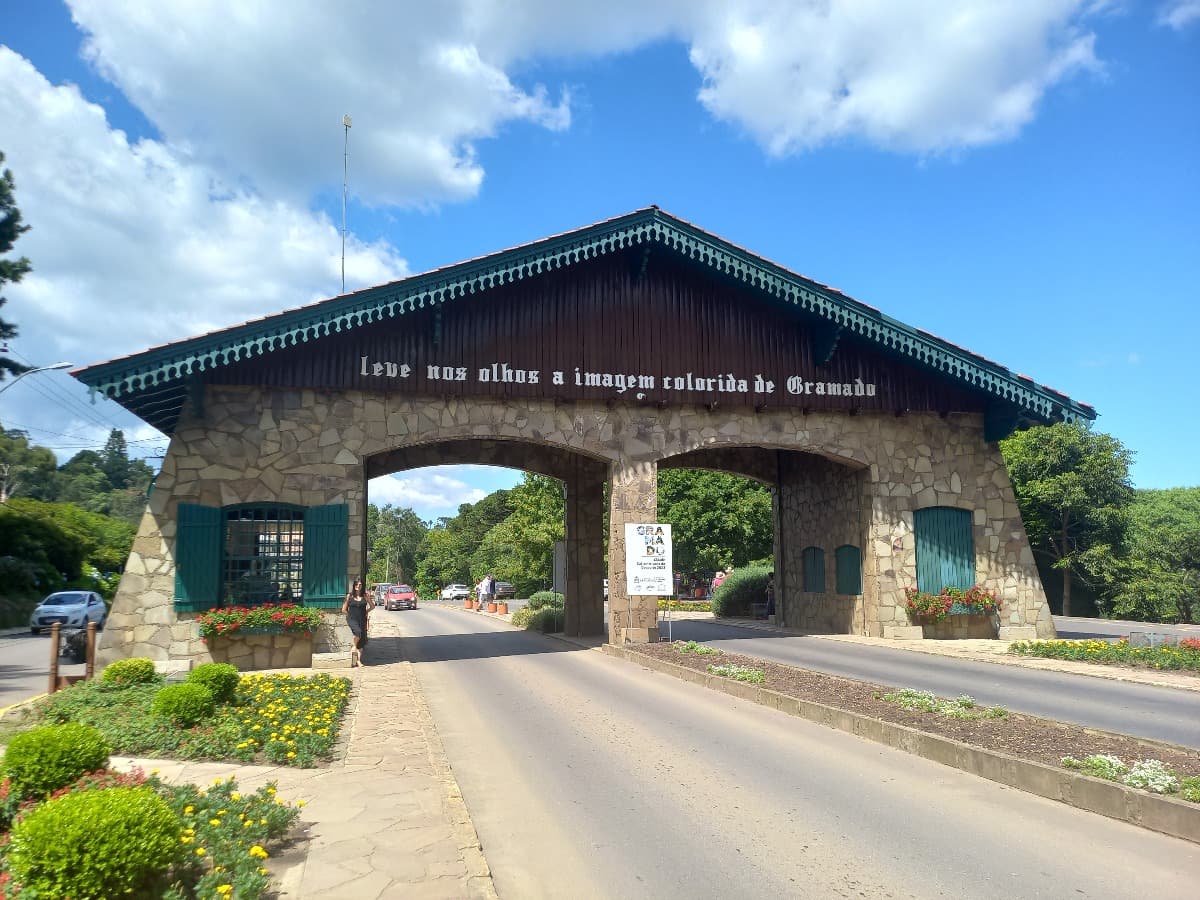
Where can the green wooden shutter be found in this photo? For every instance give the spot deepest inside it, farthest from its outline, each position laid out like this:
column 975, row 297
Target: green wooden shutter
column 199, row 541
column 849, row 569
column 326, row 549
column 814, row 569
column 945, row 549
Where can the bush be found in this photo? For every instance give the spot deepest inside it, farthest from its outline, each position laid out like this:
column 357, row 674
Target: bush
column 130, row 671
column 548, row 619
column 119, row 841
column 739, row 590
column 221, row 679
column 45, row 759
column 543, row 599
column 184, row 704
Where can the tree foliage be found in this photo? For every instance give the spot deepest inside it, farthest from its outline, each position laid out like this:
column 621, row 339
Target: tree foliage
column 1161, row 579
column 718, row 521
column 394, row 536
column 520, row 549
column 11, row 270
column 1073, row 488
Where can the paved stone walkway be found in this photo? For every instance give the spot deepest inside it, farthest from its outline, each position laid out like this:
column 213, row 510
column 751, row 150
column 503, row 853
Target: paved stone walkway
column 387, row 820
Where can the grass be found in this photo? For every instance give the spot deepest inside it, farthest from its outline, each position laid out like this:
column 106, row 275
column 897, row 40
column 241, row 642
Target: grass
column 962, row 707
column 739, row 673
column 283, row 719
column 697, row 648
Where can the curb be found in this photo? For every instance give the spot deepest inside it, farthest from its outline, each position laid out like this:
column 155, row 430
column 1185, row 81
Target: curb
column 1156, row 812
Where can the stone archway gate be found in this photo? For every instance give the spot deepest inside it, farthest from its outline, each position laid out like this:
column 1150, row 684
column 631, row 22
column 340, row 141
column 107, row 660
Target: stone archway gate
column 595, row 357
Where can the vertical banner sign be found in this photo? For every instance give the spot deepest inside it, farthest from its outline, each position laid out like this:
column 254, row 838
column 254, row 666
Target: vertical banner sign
column 648, row 568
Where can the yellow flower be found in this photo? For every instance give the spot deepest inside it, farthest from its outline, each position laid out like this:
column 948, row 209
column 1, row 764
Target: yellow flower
column 300, row 804
column 258, row 852
column 235, row 796
column 188, row 810
column 224, row 889
column 214, row 821
column 185, row 839
column 291, row 754
column 200, row 851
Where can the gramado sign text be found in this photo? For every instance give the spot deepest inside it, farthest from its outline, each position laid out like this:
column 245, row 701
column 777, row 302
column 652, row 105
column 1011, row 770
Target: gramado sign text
column 619, row 383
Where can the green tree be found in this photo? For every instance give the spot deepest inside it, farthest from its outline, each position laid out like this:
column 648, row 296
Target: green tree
column 520, row 549
column 11, row 270
column 1161, row 581
column 394, row 535
column 717, row 520
column 1072, row 486
column 25, row 470
column 114, row 459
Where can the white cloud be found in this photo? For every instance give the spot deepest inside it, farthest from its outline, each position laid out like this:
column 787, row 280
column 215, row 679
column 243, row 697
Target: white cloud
column 134, row 245
column 430, row 492
column 259, row 95
column 1179, row 14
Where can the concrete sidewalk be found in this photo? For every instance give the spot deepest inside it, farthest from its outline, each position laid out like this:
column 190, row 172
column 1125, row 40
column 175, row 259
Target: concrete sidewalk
column 384, row 821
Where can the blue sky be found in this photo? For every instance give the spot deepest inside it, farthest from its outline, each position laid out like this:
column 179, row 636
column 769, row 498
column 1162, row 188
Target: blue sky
column 1022, row 179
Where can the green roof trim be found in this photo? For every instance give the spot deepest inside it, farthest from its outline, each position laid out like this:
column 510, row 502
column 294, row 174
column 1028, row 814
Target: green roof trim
column 153, row 383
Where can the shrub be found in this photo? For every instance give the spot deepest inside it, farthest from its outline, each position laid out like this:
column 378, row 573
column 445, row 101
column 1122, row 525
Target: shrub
column 184, row 704
column 697, row 648
column 41, row 761
column 96, row 844
column 221, row 679
column 739, row 673
column 130, row 671
column 739, row 590
column 543, row 599
column 547, row 619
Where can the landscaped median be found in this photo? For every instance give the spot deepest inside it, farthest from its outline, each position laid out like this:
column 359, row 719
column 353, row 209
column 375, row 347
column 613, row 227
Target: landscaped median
column 1024, row 752
column 141, row 837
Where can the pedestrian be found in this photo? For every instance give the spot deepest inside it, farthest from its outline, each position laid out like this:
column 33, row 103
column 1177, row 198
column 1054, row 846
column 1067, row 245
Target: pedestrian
column 770, row 596
column 489, row 589
column 355, row 607
column 718, row 580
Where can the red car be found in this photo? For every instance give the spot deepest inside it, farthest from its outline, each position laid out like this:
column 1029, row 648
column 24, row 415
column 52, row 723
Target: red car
column 400, row 596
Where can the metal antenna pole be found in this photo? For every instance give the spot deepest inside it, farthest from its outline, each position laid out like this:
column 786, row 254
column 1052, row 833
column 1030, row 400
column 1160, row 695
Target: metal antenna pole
column 345, row 173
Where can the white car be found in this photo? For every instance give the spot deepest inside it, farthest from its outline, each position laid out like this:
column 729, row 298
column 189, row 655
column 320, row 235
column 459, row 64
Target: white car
column 454, row 592
column 71, row 609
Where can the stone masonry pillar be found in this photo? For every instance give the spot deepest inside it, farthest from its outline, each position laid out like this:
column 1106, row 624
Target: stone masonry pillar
column 633, row 497
column 585, row 552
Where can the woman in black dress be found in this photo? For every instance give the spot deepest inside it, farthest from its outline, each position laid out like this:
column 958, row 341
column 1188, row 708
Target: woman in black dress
column 355, row 608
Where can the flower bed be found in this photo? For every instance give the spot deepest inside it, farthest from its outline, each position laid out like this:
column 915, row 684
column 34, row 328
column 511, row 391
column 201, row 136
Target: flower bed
column 1185, row 657
column 282, row 719
column 281, row 618
column 214, row 841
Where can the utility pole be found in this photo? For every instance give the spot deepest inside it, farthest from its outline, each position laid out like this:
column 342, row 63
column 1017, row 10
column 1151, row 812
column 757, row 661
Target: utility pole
column 345, row 176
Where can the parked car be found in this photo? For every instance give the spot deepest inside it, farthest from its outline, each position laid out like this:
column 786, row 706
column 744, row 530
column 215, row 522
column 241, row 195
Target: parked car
column 505, row 591
column 452, row 593
column 400, row 596
column 72, row 609
column 381, row 590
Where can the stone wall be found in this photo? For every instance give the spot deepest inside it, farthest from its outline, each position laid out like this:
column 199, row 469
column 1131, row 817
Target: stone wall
column 821, row 506
column 254, row 652
column 315, row 448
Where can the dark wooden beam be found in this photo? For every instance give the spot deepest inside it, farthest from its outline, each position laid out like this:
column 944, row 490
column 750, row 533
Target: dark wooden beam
column 999, row 421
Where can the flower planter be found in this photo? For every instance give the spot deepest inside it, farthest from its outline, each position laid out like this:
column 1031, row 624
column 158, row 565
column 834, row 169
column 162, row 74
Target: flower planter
column 491, row 607
column 469, row 604
column 252, row 648
column 502, row 608
column 959, row 626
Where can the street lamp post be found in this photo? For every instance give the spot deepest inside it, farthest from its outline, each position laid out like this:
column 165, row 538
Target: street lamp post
column 57, row 365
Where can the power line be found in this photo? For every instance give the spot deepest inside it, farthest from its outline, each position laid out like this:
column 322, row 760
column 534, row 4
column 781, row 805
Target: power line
column 65, row 398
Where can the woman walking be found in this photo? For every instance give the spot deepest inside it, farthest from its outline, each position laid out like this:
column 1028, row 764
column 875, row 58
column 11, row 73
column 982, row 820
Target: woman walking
column 355, row 608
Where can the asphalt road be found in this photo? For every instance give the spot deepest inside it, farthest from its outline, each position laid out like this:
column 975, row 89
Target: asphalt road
column 590, row 777
column 25, row 666
column 1149, row 711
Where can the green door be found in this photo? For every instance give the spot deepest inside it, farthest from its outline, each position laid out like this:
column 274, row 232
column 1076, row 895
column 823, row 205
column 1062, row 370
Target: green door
column 199, row 535
column 326, row 551
column 945, row 549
